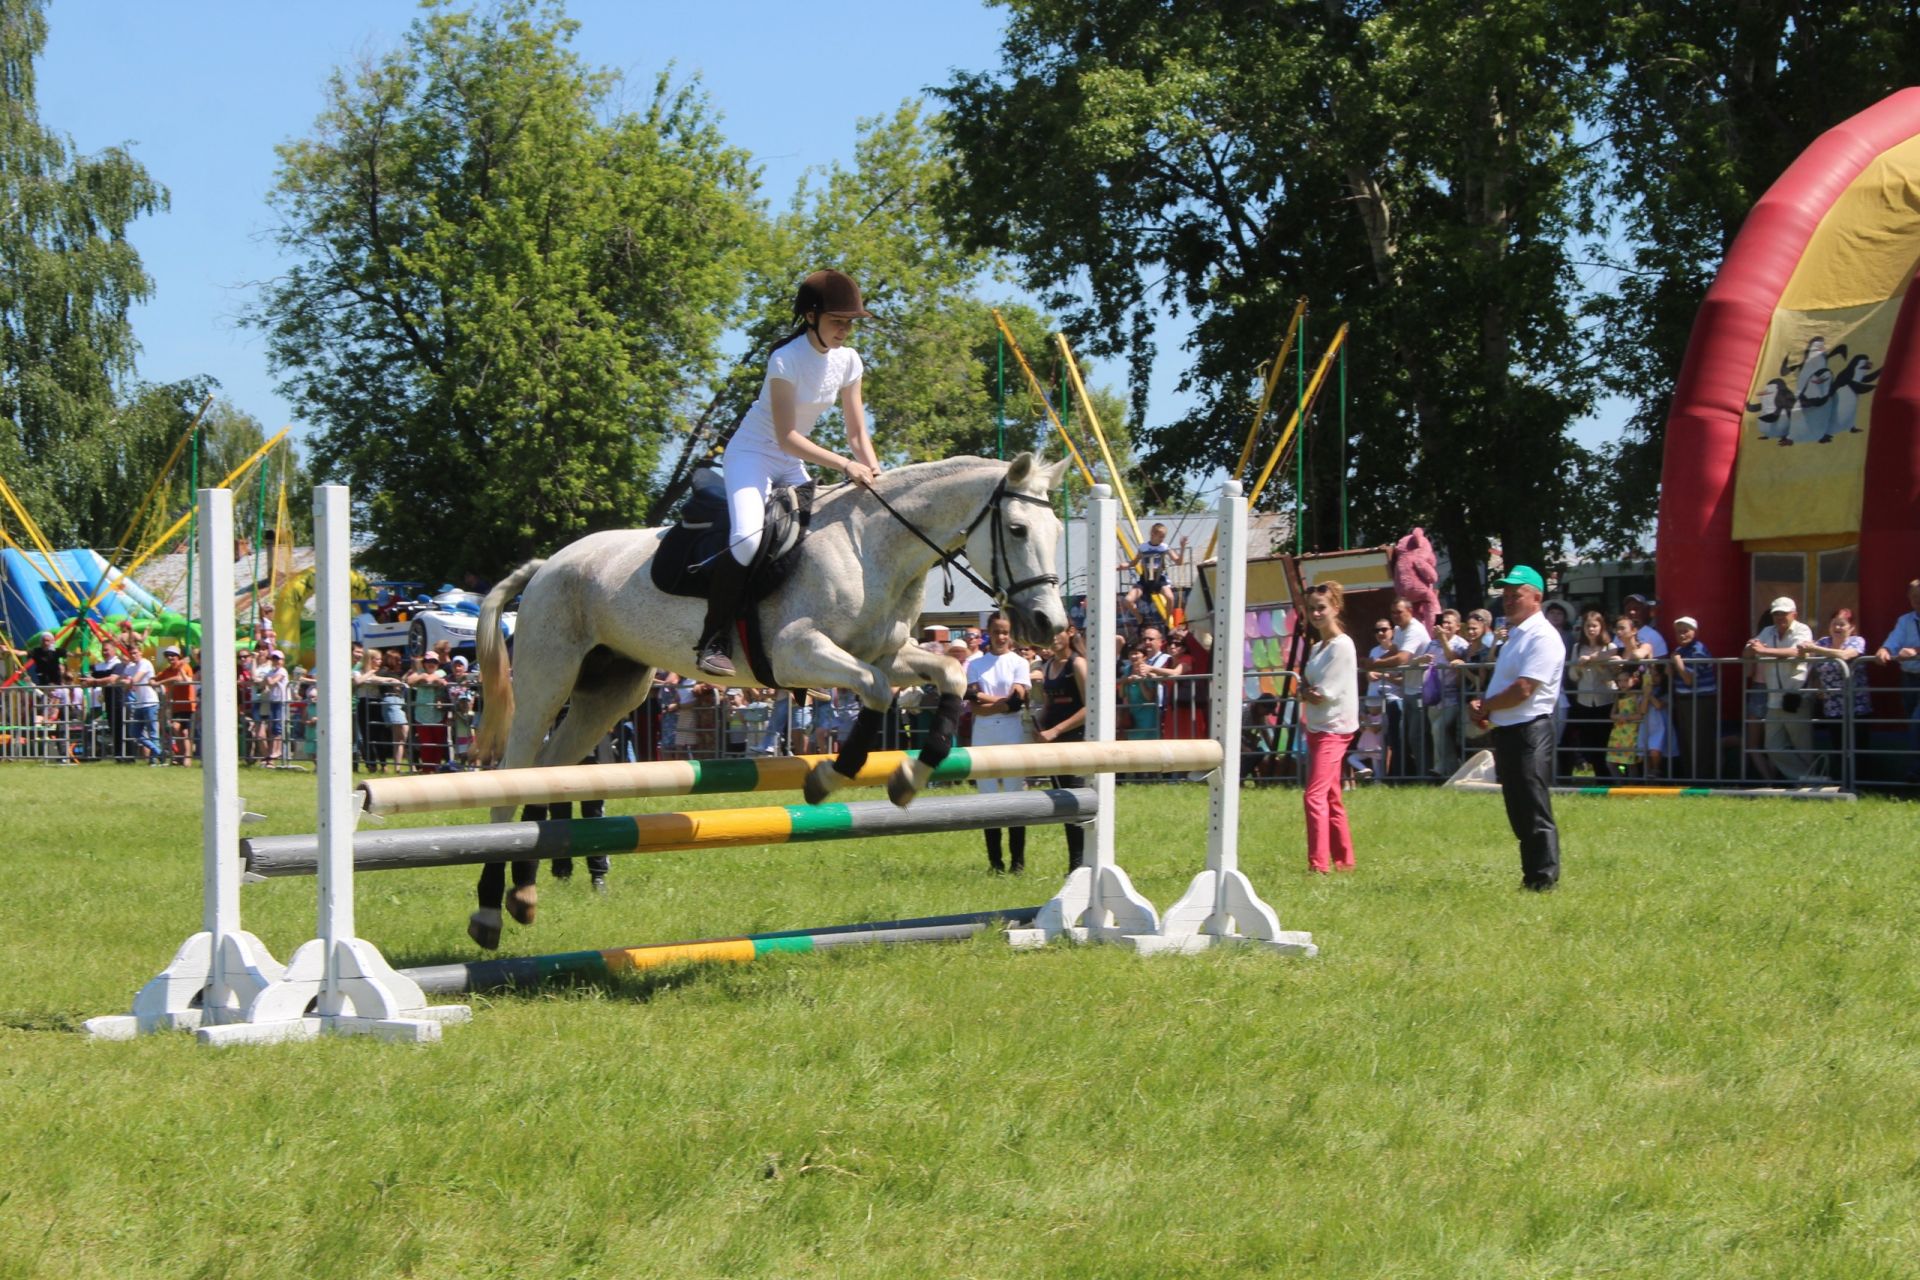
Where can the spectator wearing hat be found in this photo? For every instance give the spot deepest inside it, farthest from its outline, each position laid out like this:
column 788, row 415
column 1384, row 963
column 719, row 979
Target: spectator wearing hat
column 460, row 708
column 270, row 691
column 1695, row 702
column 1783, row 669
column 1518, row 707
column 427, row 688
column 183, row 701
column 1902, row 645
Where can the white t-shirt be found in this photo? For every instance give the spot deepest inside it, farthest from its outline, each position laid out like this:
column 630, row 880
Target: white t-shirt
column 997, row 674
column 1332, row 668
column 1412, row 640
column 1533, row 651
column 139, row 674
column 1780, row 676
column 817, row 378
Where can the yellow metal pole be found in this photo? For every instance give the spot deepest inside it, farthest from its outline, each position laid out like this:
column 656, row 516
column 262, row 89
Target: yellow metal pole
column 1099, row 436
column 153, row 547
column 39, row 540
column 120, row 544
column 1270, row 376
column 1299, row 414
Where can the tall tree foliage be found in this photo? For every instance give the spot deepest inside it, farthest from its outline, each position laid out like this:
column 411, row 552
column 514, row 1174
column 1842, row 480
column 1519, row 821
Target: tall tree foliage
column 1709, row 103
column 67, row 278
column 1413, row 168
column 505, row 292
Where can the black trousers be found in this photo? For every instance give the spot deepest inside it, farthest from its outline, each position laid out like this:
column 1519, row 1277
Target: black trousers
column 1523, row 761
column 1076, row 834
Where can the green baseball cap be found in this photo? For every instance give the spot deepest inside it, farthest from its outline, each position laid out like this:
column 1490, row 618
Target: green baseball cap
column 1522, row 575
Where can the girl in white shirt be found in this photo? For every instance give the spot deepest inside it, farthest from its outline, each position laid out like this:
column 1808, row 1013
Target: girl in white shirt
column 1330, row 710
column 806, row 374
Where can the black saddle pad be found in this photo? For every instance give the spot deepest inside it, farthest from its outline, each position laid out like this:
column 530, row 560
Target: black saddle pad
column 683, row 564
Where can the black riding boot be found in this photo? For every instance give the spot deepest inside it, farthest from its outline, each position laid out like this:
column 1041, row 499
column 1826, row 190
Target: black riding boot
column 725, row 591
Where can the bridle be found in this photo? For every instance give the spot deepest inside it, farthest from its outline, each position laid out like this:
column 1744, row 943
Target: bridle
column 1000, row 566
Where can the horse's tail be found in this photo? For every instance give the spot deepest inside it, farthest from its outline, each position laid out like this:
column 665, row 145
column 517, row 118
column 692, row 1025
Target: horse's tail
column 496, row 681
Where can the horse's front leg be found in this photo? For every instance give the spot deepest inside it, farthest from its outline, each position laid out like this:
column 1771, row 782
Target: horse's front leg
column 914, row 665
column 817, row 662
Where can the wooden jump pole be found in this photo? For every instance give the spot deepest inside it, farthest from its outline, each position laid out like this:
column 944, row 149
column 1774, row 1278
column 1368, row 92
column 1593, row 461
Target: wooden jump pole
column 529, row 972
column 409, row 847
column 479, row 790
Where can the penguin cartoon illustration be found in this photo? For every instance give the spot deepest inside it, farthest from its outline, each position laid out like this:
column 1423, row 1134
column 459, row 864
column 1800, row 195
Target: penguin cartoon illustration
column 1852, row 382
column 1775, row 410
column 1816, row 405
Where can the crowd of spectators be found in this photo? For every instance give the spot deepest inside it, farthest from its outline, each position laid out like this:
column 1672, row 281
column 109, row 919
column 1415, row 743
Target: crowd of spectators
column 1635, row 706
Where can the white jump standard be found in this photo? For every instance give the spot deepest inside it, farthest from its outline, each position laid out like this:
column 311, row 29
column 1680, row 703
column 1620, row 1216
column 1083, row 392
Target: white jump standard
column 223, row 983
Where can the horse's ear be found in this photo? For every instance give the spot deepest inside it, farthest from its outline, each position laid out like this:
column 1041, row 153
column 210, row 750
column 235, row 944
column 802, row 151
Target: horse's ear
column 1055, row 472
column 1019, row 470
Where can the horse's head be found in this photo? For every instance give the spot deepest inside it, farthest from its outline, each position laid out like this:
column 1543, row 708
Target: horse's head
column 1016, row 543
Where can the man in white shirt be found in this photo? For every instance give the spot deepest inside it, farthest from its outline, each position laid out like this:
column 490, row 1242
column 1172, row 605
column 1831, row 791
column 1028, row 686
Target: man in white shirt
column 1783, row 669
column 143, row 705
column 1521, row 695
column 1641, row 609
column 1404, row 650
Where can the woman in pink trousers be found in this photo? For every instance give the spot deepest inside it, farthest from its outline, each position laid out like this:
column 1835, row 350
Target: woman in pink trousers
column 1330, row 709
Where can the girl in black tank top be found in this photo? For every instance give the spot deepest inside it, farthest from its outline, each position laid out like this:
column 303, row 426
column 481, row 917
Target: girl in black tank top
column 1062, row 682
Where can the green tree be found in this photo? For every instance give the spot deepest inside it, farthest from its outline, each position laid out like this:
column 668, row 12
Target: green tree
column 1708, row 105
column 67, row 278
column 1412, row 168
column 505, row 292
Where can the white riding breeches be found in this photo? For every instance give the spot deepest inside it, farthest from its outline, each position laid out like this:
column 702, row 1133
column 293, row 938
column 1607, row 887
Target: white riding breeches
column 751, row 470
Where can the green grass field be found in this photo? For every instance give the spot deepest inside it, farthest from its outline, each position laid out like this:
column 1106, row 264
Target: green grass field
column 1699, row 1059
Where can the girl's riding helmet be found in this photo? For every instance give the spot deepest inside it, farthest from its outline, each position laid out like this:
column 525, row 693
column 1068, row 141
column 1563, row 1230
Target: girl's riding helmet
column 833, row 292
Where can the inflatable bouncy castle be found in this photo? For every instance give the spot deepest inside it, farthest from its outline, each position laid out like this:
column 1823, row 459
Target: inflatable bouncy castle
column 1792, row 463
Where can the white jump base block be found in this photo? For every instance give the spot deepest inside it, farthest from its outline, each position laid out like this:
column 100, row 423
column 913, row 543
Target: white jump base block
column 223, row 984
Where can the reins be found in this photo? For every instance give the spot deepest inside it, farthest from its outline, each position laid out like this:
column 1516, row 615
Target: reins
column 951, row 560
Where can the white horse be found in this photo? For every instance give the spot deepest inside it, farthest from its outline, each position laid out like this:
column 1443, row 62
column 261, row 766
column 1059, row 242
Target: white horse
column 593, row 628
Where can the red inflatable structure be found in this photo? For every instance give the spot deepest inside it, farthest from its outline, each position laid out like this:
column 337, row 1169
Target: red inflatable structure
column 1792, row 463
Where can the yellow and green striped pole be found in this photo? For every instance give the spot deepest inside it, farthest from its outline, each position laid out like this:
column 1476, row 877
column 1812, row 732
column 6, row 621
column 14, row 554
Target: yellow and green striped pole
column 297, row 855
column 532, row 971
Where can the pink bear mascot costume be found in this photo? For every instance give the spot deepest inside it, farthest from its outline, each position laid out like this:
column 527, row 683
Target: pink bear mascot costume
column 1416, row 574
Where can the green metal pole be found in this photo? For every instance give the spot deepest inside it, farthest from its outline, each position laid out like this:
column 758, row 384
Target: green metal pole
column 1300, row 444
column 259, row 534
column 1343, row 447
column 193, row 531
column 1000, row 394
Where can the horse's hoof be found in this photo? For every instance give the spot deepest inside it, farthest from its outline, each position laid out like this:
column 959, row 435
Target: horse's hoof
column 820, row 784
column 484, row 928
column 523, row 902
column 907, row 782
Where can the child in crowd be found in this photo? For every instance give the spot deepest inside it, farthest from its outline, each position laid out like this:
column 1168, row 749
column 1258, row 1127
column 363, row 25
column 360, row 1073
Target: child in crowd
column 1624, row 751
column 1368, row 759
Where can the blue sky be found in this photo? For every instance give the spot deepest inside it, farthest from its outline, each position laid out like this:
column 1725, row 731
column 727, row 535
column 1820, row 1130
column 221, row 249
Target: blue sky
column 204, row 91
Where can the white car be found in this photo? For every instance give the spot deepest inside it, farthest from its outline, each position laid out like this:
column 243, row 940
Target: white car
column 421, row 624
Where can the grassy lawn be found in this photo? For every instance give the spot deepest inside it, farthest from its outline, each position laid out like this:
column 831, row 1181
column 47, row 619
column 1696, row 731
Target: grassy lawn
column 1699, row 1058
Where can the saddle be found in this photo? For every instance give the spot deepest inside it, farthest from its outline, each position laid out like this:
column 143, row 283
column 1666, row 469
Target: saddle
column 683, row 566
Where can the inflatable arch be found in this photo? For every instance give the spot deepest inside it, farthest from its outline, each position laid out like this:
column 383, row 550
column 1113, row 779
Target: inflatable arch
column 1792, row 462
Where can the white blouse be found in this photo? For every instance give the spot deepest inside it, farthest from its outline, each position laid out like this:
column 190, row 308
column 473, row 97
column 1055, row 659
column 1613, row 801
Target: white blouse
column 1331, row 667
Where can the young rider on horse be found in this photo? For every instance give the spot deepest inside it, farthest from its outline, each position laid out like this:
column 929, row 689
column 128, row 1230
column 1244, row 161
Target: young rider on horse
column 806, row 373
